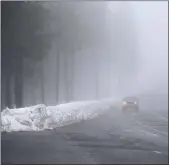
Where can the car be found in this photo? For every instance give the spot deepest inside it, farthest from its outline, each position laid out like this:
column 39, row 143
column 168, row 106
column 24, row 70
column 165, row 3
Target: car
column 130, row 104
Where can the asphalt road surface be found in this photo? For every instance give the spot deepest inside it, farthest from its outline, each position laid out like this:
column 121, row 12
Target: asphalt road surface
column 111, row 138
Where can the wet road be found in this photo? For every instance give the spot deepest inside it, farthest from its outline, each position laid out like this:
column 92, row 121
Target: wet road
column 111, row 138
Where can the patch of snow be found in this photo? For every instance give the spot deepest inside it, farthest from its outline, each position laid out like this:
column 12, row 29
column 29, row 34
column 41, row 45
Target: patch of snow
column 40, row 117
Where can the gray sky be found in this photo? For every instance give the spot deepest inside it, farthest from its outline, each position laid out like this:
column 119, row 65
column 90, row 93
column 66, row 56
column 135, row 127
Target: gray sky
column 152, row 24
column 151, row 20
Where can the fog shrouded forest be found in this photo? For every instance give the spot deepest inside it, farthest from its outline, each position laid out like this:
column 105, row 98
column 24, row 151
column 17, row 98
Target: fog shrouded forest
column 58, row 52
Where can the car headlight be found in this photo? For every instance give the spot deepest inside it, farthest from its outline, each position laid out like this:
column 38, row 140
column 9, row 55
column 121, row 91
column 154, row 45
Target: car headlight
column 124, row 102
column 135, row 102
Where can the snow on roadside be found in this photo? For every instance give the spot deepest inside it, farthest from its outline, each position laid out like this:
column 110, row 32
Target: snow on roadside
column 40, row 117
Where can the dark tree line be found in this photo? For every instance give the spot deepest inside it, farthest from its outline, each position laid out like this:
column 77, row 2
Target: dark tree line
column 24, row 42
column 30, row 29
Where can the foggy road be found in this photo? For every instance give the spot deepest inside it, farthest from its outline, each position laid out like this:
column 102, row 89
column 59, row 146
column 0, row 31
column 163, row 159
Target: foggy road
column 111, row 138
column 59, row 59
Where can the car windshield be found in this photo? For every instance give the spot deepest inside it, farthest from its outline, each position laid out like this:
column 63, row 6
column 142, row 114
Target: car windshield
column 130, row 99
column 84, row 82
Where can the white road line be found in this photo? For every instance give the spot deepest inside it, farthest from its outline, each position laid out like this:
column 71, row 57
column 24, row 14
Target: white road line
column 157, row 152
column 146, row 132
column 128, row 130
column 161, row 117
column 152, row 128
column 112, row 133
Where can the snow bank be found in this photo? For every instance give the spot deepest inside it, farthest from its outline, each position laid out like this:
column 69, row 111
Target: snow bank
column 40, row 117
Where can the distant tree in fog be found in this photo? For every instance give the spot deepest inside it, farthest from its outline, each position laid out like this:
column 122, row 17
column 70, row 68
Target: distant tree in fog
column 124, row 46
column 76, row 28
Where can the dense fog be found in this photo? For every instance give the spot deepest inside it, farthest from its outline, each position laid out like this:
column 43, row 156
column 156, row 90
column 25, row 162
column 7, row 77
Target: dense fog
column 152, row 25
column 83, row 51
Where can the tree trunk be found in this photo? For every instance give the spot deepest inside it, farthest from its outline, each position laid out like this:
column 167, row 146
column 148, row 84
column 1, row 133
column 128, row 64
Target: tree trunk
column 97, row 78
column 7, row 76
column 57, row 75
column 19, row 81
column 3, row 92
column 7, row 91
column 70, row 76
column 66, row 80
column 42, row 83
column 33, row 92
